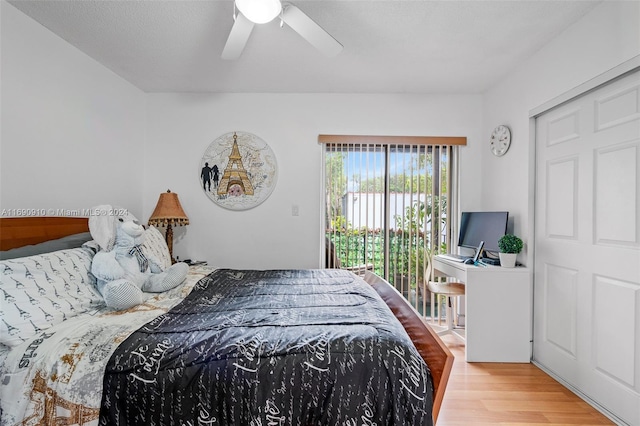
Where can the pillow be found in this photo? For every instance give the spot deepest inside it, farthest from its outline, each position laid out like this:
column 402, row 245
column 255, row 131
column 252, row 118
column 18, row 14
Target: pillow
column 155, row 247
column 37, row 292
column 68, row 242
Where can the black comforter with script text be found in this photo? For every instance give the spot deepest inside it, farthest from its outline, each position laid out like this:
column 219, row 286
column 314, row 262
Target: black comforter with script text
column 260, row 348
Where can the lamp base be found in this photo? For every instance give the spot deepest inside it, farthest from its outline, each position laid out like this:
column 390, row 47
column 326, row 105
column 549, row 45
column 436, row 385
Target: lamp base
column 169, row 238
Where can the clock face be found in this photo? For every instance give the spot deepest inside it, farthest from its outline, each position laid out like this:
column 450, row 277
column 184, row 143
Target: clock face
column 500, row 140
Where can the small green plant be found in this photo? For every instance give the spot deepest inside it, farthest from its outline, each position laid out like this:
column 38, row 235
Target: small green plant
column 509, row 243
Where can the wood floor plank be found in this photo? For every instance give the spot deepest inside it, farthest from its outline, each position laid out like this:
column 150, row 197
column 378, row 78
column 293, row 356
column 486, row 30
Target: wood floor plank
column 546, row 406
column 509, row 394
column 578, row 419
column 524, row 395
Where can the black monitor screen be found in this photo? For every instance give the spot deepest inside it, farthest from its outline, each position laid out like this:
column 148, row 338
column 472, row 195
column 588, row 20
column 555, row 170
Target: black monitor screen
column 482, row 226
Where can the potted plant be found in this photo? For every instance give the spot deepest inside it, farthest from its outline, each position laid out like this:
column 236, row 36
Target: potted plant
column 509, row 246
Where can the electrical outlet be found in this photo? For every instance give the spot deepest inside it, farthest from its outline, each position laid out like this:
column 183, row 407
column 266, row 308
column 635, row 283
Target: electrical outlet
column 295, row 210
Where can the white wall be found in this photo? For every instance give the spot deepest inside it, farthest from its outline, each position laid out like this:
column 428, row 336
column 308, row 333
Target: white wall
column 181, row 127
column 607, row 36
column 72, row 131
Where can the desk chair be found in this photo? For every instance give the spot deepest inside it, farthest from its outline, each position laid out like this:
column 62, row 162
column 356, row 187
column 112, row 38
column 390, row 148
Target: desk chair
column 451, row 290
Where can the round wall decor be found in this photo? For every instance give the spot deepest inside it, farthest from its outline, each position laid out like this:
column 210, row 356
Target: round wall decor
column 238, row 171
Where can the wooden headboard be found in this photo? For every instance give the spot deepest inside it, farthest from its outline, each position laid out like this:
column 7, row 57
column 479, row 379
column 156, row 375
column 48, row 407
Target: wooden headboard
column 24, row 231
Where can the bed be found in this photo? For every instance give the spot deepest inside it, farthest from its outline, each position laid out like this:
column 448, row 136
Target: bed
column 225, row 347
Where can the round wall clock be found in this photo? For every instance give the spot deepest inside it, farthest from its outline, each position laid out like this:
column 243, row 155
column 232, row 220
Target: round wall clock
column 238, row 171
column 500, row 140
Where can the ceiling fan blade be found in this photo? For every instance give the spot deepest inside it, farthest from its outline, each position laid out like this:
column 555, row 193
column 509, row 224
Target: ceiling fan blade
column 310, row 31
column 238, row 37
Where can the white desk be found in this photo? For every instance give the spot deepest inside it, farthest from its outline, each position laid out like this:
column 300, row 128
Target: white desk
column 498, row 309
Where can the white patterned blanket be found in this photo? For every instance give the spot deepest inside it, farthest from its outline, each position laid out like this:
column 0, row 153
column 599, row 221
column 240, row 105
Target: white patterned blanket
column 55, row 376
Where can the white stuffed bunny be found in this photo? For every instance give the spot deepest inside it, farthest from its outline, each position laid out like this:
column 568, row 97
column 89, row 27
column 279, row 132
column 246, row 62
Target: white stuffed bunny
column 123, row 271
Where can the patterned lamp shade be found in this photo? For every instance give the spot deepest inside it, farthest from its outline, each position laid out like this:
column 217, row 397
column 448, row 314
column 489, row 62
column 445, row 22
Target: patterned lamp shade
column 168, row 212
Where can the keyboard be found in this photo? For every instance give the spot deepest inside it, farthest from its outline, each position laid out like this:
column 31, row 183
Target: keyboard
column 455, row 257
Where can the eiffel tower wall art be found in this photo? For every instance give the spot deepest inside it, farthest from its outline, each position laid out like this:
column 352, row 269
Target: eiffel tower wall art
column 238, row 171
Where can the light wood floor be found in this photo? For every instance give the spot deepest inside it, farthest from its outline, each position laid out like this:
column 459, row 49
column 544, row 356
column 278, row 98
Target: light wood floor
column 509, row 394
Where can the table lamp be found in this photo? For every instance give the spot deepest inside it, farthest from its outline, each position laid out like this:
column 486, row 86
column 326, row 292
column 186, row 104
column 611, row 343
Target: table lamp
column 168, row 212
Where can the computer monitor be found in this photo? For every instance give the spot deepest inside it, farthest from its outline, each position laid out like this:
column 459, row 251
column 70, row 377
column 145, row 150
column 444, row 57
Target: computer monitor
column 482, row 226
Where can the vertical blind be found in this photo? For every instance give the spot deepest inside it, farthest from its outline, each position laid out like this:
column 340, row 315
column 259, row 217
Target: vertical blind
column 388, row 204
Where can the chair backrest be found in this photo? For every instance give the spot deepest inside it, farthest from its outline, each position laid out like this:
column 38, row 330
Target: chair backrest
column 431, row 274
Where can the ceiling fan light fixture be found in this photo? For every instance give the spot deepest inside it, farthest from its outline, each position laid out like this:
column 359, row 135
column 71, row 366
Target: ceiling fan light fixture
column 259, row 11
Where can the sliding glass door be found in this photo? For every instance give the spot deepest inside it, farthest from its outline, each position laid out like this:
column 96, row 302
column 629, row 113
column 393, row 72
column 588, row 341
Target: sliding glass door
column 387, row 209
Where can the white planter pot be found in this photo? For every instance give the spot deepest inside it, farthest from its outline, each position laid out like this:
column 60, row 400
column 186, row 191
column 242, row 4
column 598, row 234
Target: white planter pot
column 508, row 260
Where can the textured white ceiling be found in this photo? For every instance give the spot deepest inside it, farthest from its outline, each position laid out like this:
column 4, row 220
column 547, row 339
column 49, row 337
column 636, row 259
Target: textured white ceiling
column 389, row 46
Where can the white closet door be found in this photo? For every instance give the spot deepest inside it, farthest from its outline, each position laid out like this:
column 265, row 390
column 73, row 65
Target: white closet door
column 587, row 245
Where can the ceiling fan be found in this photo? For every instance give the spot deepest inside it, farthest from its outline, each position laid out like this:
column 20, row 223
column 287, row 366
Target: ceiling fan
column 251, row 12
